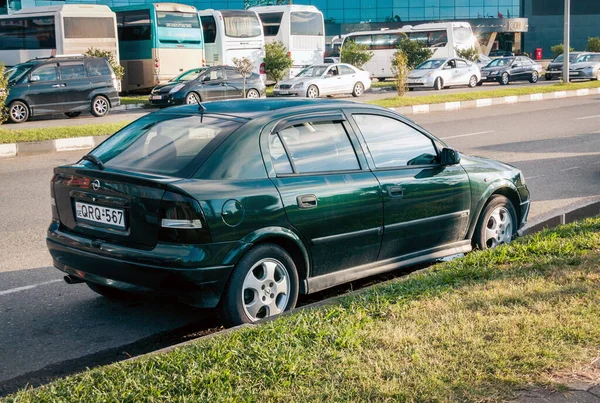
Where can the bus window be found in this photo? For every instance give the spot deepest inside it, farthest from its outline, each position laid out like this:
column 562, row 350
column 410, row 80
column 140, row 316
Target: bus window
column 306, row 23
column 86, row 27
column 241, row 24
column 169, row 19
column 271, row 23
column 27, row 33
column 134, row 25
column 209, row 28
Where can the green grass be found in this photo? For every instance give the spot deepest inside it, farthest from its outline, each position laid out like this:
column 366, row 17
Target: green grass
column 134, row 99
column 396, row 102
column 59, row 132
column 473, row 329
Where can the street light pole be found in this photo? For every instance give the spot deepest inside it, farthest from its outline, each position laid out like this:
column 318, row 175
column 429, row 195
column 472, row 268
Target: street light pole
column 567, row 41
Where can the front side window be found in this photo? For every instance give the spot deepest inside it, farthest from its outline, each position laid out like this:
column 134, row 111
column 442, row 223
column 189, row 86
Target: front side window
column 241, row 24
column 173, row 19
column 394, row 144
column 45, row 73
column 315, row 147
column 306, row 23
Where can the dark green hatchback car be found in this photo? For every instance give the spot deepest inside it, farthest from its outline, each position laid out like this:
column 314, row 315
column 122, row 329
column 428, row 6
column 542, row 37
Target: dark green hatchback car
column 246, row 204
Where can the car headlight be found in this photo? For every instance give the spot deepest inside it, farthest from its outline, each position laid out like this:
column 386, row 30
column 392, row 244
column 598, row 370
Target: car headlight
column 176, row 88
column 276, row 86
column 299, row 85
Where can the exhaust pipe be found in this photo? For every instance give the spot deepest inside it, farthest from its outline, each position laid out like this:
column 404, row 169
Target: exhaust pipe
column 72, row 279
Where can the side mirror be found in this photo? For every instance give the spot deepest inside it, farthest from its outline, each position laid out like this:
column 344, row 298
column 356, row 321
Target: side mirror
column 33, row 79
column 448, row 156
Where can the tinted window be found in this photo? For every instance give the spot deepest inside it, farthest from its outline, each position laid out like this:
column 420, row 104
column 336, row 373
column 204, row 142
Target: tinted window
column 172, row 19
column 234, row 75
column 164, row 145
column 45, row 73
column 27, row 33
column 271, row 23
column 319, row 147
column 78, row 27
column 393, row 143
column 97, row 67
column 306, row 23
column 134, row 25
column 209, row 28
column 71, row 71
column 241, row 24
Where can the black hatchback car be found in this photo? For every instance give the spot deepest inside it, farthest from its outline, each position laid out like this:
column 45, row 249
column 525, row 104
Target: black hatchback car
column 508, row 69
column 68, row 85
column 207, row 84
column 246, row 204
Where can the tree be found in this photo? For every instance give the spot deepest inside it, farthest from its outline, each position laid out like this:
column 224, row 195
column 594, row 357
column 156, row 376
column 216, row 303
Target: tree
column 470, row 54
column 355, row 54
column 244, row 66
column 108, row 55
column 593, row 44
column 559, row 49
column 400, row 69
column 415, row 52
column 276, row 60
column 3, row 93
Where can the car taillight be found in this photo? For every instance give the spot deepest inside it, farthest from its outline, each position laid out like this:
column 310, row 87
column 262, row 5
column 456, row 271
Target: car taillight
column 156, row 64
column 181, row 220
column 55, row 216
column 203, row 63
column 262, row 69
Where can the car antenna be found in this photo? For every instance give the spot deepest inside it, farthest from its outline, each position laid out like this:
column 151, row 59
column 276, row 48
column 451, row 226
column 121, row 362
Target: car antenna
column 201, row 109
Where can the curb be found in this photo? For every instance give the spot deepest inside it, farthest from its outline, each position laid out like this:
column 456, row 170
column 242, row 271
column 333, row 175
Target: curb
column 50, row 146
column 128, row 107
column 484, row 102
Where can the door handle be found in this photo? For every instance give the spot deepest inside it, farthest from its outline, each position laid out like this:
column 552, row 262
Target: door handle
column 307, row 201
column 59, row 85
column 395, row 191
column 223, row 84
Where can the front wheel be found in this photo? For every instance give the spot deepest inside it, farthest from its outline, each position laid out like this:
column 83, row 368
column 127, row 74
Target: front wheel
column 312, row 92
column 548, row 77
column 598, row 75
column 473, row 82
column 505, row 79
column 252, row 93
column 358, row 89
column 100, row 106
column 497, row 224
column 438, row 84
column 263, row 284
column 192, row 98
column 18, row 112
column 534, row 77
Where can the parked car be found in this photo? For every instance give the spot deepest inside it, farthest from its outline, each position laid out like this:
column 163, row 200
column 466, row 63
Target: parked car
column 508, row 69
column 586, row 66
column 246, row 204
column 501, row 53
column 482, row 60
column 207, row 84
column 440, row 73
column 61, row 84
column 325, row 79
column 554, row 69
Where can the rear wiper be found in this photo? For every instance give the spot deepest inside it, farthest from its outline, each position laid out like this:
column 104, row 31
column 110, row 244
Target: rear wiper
column 94, row 159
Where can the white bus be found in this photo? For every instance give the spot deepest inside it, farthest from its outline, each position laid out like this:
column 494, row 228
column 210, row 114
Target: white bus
column 233, row 33
column 300, row 28
column 442, row 38
column 55, row 30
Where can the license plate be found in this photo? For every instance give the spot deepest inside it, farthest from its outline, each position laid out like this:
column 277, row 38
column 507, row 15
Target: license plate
column 574, row 73
column 414, row 81
column 100, row 214
column 156, row 97
column 284, row 92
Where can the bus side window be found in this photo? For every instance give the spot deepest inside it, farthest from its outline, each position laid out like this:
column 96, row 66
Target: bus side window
column 209, row 28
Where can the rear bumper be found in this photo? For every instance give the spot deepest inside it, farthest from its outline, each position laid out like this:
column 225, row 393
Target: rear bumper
column 181, row 271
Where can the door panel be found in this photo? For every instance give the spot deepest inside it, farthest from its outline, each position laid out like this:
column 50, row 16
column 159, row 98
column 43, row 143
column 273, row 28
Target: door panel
column 234, row 84
column 75, row 87
column 43, row 93
column 214, row 88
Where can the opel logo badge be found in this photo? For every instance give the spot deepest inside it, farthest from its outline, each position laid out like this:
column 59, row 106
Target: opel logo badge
column 96, row 184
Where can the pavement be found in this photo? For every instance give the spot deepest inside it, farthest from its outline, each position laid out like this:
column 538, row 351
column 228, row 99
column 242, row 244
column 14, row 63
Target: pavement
column 49, row 326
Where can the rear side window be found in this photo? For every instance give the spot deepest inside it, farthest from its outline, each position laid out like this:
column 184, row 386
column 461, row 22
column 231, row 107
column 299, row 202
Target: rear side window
column 97, row 67
column 71, row 71
column 313, row 147
column 163, row 145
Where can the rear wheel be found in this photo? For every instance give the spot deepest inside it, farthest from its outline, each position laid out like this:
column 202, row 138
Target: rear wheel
column 72, row 114
column 505, row 79
column 497, row 224
column 252, row 93
column 312, row 92
column 548, row 77
column 263, row 284
column 438, row 84
column 598, row 75
column 110, row 292
column 473, row 82
column 358, row 89
column 535, row 76
column 100, row 106
column 192, row 98
column 18, row 112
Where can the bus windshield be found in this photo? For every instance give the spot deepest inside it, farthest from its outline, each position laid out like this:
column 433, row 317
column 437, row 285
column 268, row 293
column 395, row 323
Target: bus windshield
column 505, row 61
column 172, row 19
column 431, row 64
column 463, row 35
column 306, row 23
column 241, row 24
column 17, row 72
column 312, row 71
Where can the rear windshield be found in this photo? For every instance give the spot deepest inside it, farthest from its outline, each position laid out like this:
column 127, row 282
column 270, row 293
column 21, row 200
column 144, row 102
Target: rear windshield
column 163, row 144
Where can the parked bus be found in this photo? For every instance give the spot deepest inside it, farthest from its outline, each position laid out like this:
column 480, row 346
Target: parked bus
column 442, row 38
column 233, row 33
column 158, row 42
column 300, row 28
column 56, row 30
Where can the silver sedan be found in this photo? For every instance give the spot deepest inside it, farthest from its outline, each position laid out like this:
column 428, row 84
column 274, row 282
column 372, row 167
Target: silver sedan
column 586, row 67
column 440, row 73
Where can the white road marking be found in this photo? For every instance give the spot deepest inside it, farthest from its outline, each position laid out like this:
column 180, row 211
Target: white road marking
column 588, row 117
column 465, row 135
column 568, row 169
column 528, row 178
column 597, row 162
column 27, row 287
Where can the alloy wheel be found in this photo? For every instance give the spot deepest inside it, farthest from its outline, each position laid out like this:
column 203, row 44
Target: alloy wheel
column 266, row 289
column 312, row 92
column 192, row 99
column 252, row 93
column 101, row 106
column 18, row 112
column 505, row 79
column 499, row 227
column 358, row 90
column 473, row 82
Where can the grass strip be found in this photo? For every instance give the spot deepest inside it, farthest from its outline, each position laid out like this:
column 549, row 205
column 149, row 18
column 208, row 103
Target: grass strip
column 134, row 99
column 472, row 329
column 59, row 132
column 396, row 102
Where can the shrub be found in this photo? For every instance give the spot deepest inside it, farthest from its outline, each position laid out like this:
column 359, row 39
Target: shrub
column 276, row 60
column 559, row 49
column 415, row 52
column 244, row 66
column 355, row 54
column 108, row 55
column 3, row 93
column 470, row 54
column 593, row 44
column 400, row 69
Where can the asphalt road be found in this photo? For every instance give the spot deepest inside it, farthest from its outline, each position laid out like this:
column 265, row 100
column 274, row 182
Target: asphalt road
column 47, row 325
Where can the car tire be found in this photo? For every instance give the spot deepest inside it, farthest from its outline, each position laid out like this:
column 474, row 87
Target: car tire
column 535, row 76
column 438, row 84
column 497, row 224
column 264, row 280
column 18, row 112
column 100, row 106
column 72, row 114
column 192, row 98
column 473, row 82
column 312, row 92
column 548, row 77
column 479, row 84
column 252, row 93
column 597, row 75
column 504, row 79
column 111, row 292
column 358, row 89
